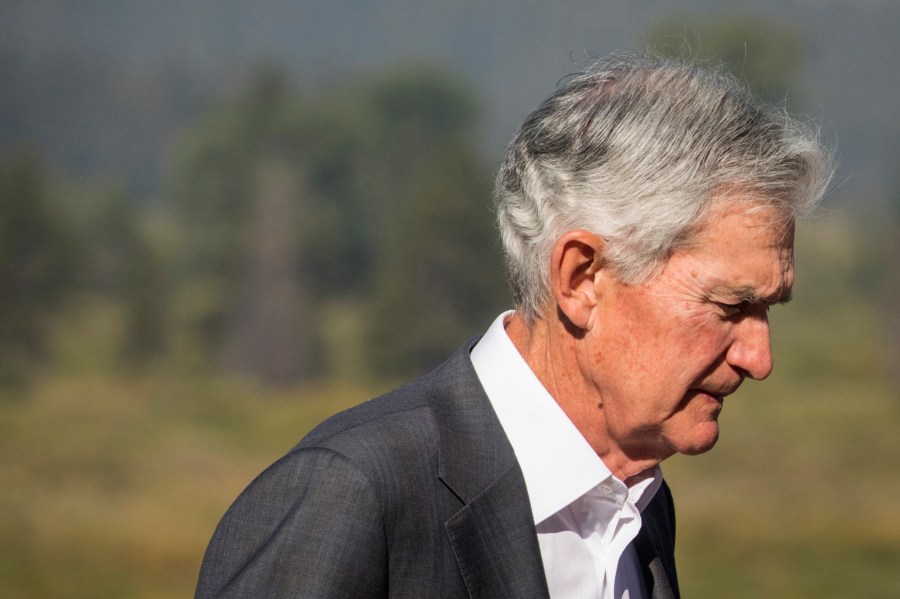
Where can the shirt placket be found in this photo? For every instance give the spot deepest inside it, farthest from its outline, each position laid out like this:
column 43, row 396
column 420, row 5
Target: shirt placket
column 603, row 518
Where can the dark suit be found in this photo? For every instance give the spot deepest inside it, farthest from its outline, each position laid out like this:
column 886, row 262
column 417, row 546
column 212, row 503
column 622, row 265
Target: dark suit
column 414, row 494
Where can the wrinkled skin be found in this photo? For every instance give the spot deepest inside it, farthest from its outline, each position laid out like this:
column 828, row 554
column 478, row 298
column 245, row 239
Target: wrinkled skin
column 654, row 361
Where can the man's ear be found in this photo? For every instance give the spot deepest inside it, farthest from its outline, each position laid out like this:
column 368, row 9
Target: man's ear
column 577, row 260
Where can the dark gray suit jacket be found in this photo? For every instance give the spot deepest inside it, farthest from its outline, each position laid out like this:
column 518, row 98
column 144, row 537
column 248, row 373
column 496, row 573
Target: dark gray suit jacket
column 413, row 494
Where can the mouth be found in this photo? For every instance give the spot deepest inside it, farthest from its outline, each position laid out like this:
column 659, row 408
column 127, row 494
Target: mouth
column 718, row 393
column 716, row 398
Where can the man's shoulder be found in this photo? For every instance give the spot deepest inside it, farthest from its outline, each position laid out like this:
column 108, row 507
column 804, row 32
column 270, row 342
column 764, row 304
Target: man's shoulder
column 378, row 422
column 401, row 420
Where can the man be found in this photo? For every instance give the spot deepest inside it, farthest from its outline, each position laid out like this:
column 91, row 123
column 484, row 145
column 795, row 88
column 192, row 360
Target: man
column 646, row 210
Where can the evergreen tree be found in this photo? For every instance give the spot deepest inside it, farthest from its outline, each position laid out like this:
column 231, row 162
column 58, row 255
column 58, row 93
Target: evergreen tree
column 370, row 196
column 35, row 270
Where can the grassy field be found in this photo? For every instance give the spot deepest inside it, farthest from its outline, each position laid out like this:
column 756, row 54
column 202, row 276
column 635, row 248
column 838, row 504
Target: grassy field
column 113, row 488
column 112, row 485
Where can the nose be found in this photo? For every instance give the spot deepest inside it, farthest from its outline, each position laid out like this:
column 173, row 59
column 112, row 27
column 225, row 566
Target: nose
column 751, row 350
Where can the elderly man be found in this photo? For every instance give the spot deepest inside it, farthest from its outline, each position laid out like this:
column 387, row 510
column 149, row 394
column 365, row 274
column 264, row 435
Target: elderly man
column 646, row 209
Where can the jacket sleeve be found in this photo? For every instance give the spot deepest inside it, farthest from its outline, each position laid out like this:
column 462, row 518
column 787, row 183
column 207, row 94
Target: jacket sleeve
column 309, row 526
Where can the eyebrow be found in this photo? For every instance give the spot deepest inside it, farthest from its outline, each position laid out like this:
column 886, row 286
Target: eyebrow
column 751, row 295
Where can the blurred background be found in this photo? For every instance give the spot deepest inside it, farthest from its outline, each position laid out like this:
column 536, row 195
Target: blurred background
column 221, row 222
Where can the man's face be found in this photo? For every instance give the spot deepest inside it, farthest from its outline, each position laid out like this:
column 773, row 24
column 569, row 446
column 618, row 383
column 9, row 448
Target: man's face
column 665, row 353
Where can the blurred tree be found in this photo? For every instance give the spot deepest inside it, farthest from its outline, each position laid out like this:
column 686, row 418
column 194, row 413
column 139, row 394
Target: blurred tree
column 260, row 188
column 766, row 54
column 211, row 202
column 102, row 220
column 289, row 206
column 35, row 266
column 116, row 264
column 146, row 301
column 273, row 332
column 439, row 277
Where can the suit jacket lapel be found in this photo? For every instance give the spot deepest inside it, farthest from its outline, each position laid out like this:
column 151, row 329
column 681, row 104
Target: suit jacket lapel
column 655, row 577
column 495, row 542
column 493, row 534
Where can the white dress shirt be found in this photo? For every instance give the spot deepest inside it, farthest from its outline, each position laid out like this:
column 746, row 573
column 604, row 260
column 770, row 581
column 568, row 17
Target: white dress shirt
column 585, row 517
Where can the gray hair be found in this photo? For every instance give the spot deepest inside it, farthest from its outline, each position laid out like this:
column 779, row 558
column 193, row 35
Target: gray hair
column 636, row 150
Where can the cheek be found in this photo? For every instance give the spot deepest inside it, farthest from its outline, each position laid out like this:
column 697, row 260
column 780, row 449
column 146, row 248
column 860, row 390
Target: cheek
column 654, row 340
column 675, row 354
column 700, row 330
column 645, row 347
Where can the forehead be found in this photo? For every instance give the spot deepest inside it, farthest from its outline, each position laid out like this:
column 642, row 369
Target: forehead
column 745, row 247
column 738, row 221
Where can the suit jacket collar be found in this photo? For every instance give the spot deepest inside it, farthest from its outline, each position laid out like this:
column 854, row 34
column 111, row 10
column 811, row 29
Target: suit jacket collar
column 493, row 534
column 474, row 450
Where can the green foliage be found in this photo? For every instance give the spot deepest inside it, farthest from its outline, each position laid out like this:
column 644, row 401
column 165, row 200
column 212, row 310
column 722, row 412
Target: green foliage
column 440, row 278
column 64, row 246
column 226, row 212
column 102, row 221
column 114, row 261
column 766, row 54
column 146, row 298
column 369, row 196
column 423, row 104
column 35, row 267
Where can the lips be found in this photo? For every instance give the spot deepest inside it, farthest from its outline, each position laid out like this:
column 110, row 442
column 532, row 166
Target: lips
column 714, row 395
column 720, row 393
column 718, row 398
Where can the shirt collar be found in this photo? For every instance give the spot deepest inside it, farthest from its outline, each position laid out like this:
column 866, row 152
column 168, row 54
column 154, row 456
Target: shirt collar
column 557, row 463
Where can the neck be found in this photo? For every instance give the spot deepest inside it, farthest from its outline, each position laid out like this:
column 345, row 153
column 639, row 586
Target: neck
column 554, row 351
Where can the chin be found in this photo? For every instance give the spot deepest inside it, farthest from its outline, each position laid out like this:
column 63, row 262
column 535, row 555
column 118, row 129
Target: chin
column 701, row 444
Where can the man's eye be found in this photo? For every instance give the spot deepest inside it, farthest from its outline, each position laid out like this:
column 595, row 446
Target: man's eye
column 745, row 307
column 730, row 310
